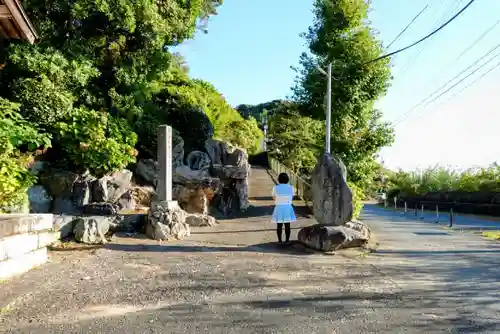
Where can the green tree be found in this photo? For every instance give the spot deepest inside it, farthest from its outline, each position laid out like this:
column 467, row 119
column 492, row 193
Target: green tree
column 341, row 34
column 111, row 57
column 296, row 140
column 18, row 140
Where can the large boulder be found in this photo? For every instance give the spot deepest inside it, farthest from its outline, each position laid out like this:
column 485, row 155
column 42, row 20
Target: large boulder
column 91, row 230
column 222, row 153
column 242, row 193
column 118, row 184
column 81, row 193
column 126, row 202
column 191, row 199
column 143, row 196
column 64, row 224
column 329, row 238
column 39, row 199
column 198, row 160
column 230, row 172
column 129, row 223
column 332, row 197
column 59, row 183
column 147, row 170
column 99, row 189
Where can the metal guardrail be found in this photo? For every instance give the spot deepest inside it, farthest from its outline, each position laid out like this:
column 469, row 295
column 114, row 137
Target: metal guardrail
column 302, row 187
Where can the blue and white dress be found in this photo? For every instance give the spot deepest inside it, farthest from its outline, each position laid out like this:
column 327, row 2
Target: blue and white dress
column 283, row 210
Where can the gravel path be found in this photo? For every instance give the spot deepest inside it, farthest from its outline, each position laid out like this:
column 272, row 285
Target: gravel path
column 229, row 280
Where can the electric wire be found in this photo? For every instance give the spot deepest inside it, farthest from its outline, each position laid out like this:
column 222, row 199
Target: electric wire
column 408, row 26
column 454, row 17
column 497, row 65
column 454, row 85
column 449, row 81
column 467, row 49
column 413, row 58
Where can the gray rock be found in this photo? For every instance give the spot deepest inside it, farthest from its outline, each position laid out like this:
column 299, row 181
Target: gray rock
column 59, row 183
column 332, row 197
column 360, row 227
column 198, row 160
column 100, row 209
column 64, row 205
column 64, row 225
column 231, row 172
column 119, row 183
column 235, row 157
column 329, row 238
column 215, row 151
column 91, row 230
column 147, row 170
column 200, row 220
column 242, row 192
column 40, row 200
column 37, row 167
column 81, row 193
column 183, row 174
column 129, row 223
column 100, row 189
column 166, row 222
column 126, row 202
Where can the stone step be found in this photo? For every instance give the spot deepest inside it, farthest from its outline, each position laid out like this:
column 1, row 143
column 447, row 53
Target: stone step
column 14, row 224
column 17, row 245
column 23, row 263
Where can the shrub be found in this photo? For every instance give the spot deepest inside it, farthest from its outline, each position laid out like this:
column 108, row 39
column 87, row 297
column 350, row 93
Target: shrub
column 96, row 141
column 357, row 198
column 17, row 139
column 445, row 179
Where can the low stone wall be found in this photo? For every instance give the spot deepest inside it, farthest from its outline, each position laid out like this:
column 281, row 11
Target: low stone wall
column 23, row 242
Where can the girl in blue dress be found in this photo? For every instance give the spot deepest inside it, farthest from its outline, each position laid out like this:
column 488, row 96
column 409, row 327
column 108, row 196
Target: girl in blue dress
column 283, row 211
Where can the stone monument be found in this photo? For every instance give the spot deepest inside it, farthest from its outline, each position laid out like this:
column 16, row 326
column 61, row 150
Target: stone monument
column 332, row 197
column 166, row 219
column 333, row 209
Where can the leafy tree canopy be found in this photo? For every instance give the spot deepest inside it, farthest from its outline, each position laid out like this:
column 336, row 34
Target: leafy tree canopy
column 102, row 78
column 340, row 34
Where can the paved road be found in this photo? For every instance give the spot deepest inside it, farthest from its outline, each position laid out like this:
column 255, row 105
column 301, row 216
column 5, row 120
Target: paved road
column 460, row 221
column 229, row 280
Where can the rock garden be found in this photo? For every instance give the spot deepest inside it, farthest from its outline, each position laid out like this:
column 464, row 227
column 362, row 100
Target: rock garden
column 207, row 185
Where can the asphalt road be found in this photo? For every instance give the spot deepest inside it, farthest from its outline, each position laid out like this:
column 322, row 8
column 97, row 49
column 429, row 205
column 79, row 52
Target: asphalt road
column 233, row 279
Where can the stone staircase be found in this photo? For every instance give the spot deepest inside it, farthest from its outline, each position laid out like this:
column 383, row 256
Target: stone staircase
column 23, row 242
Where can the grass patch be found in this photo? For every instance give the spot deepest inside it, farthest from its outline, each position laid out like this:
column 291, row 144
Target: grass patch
column 492, row 235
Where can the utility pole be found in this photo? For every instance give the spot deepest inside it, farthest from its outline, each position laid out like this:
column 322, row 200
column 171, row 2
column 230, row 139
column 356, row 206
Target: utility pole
column 264, row 143
column 328, row 109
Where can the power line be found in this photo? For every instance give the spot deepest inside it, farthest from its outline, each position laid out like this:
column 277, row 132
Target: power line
column 475, row 81
column 425, row 37
column 414, row 57
column 458, row 82
column 497, row 65
column 408, row 26
column 448, row 82
column 480, row 38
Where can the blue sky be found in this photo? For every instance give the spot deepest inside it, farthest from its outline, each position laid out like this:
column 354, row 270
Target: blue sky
column 251, row 45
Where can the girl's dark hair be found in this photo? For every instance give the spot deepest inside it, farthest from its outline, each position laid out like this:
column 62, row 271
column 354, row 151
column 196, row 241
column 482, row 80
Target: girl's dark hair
column 283, row 178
